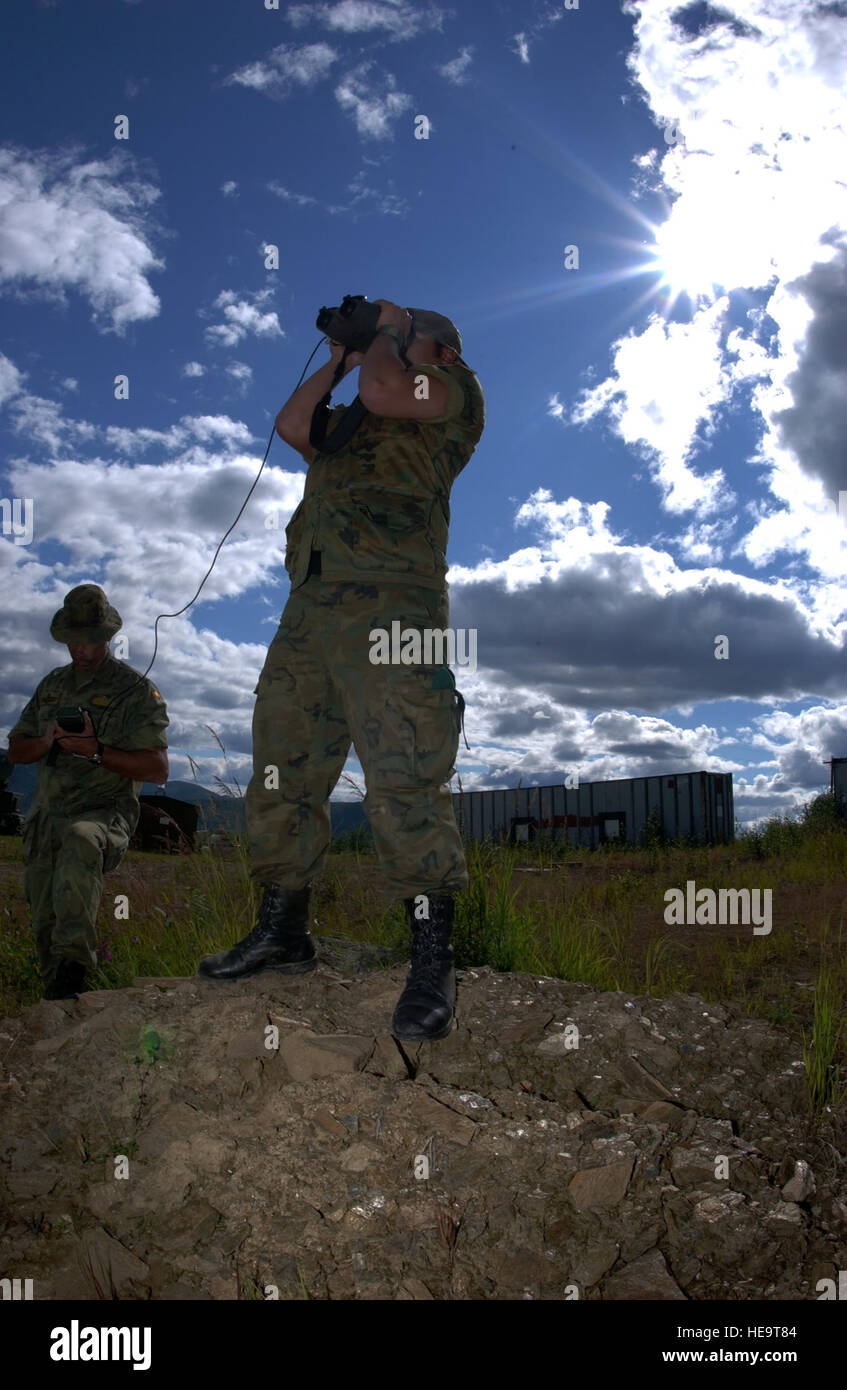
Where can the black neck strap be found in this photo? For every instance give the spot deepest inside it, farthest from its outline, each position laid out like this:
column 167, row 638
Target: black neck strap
column 344, row 430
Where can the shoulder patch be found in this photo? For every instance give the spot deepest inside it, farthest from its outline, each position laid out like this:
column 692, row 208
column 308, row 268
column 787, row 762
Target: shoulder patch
column 101, row 700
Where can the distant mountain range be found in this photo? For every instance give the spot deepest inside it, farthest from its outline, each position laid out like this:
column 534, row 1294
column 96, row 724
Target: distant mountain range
column 217, row 812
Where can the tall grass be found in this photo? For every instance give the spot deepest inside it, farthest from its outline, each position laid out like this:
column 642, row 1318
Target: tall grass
column 489, row 928
column 826, row 1089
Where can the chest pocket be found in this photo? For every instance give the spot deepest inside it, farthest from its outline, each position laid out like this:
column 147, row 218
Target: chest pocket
column 393, row 511
column 382, row 529
column 49, row 704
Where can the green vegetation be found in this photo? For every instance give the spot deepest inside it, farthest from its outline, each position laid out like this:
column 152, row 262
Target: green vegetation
column 822, row 1050
column 153, row 1046
column 542, row 907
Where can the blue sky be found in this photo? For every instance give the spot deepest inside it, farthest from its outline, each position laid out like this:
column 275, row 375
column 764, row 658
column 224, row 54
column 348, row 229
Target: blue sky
column 664, row 446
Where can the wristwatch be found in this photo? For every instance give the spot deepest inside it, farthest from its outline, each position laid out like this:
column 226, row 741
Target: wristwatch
column 97, row 757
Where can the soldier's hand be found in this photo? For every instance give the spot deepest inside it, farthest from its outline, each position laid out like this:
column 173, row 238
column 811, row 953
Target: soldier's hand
column 84, row 744
column 354, row 359
column 49, row 735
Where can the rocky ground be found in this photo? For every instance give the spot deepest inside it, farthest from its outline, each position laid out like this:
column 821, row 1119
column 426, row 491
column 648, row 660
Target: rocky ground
column 154, row 1145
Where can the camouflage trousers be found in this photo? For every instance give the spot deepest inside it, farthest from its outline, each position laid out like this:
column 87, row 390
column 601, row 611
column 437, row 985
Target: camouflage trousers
column 318, row 693
column 66, row 857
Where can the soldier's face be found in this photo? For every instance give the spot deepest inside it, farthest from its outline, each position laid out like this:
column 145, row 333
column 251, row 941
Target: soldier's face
column 425, row 350
column 88, row 658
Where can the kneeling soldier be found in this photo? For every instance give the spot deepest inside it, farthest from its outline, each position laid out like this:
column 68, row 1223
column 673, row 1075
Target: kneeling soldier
column 86, row 805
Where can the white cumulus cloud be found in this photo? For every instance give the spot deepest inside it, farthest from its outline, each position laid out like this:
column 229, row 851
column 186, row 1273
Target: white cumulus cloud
column 286, row 67
column 756, row 91
column 669, row 380
column 521, row 47
column 11, row 379
column 372, row 111
column 397, row 18
column 456, row 69
column 240, row 372
column 70, row 224
column 243, row 315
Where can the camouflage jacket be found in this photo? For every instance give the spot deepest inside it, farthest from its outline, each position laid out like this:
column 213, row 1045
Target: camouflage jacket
column 379, row 508
column 132, row 724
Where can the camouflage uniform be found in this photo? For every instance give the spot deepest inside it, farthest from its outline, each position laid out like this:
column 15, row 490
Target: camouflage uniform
column 378, row 511
column 82, row 816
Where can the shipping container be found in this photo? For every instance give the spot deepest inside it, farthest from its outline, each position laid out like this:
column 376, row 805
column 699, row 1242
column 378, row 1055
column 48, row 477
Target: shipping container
column 687, row 805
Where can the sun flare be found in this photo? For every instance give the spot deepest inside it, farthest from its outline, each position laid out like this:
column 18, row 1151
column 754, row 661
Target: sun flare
column 686, row 257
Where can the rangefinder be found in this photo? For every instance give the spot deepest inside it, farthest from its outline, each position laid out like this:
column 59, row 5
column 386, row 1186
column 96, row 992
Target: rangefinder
column 71, row 718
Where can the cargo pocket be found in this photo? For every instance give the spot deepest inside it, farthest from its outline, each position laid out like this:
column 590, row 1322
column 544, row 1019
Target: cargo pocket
column 118, row 836
column 426, row 701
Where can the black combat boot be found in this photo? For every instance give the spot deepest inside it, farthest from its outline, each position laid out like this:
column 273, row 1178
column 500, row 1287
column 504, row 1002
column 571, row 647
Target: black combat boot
column 280, row 940
column 69, row 980
column 424, row 1011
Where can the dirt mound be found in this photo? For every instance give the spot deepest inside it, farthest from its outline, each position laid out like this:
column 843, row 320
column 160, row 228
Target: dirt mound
column 190, row 1140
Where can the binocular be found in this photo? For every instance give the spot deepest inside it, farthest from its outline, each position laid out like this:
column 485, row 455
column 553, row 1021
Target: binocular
column 353, row 322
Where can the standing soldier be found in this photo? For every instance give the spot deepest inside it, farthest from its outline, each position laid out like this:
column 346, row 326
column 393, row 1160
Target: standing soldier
column 86, row 803
column 367, row 548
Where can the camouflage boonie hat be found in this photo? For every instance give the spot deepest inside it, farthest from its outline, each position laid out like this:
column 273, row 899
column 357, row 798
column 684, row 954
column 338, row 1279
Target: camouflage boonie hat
column 438, row 326
column 86, row 617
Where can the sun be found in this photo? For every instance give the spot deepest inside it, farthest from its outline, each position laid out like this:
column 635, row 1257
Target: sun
column 688, row 259
column 712, row 242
